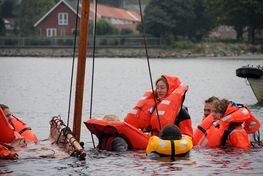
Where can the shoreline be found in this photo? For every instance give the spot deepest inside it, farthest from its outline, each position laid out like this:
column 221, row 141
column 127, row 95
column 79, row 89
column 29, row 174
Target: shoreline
column 126, row 52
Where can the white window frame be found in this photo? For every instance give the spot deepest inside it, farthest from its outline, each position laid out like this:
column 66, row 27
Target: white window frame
column 51, row 32
column 63, row 18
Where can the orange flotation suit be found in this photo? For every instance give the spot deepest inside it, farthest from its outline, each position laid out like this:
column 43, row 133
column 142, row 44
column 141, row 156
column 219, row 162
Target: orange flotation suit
column 144, row 115
column 7, row 134
column 140, row 115
column 226, row 131
column 23, row 129
column 5, row 153
column 135, row 138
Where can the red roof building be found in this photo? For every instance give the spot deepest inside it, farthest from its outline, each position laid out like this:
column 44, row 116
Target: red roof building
column 60, row 20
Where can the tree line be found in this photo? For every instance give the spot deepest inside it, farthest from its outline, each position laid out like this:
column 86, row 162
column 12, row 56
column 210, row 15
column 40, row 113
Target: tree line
column 194, row 19
column 171, row 19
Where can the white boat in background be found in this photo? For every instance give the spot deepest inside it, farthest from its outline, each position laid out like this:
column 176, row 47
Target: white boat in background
column 254, row 76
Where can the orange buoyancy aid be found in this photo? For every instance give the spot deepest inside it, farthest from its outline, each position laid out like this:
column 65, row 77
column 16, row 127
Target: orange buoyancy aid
column 212, row 133
column 140, row 115
column 169, row 107
column 252, row 124
column 23, row 129
column 5, row 153
column 135, row 138
column 7, row 134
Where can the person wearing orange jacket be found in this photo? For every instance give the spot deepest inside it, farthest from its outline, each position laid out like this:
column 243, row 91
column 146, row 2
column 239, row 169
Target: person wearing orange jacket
column 20, row 129
column 224, row 126
column 165, row 106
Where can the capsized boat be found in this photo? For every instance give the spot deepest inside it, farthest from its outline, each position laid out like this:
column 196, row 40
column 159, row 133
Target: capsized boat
column 254, row 75
column 135, row 138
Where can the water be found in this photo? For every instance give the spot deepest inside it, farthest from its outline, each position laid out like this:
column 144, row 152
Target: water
column 38, row 88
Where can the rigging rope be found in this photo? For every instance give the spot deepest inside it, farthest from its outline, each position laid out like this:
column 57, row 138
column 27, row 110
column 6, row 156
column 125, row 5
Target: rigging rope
column 93, row 65
column 149, row 66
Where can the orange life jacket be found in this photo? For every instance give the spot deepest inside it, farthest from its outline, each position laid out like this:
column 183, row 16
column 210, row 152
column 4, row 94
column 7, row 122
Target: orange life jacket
column 212, row 133
column 7, row 134
column 140, row 115
column 24, row 130
column 135, row 138
column 144, row 115
column 168, row 109
column 5, row 153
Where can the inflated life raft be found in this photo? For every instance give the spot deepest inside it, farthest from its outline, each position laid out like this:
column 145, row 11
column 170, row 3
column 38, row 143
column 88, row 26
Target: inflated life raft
column 135, row 138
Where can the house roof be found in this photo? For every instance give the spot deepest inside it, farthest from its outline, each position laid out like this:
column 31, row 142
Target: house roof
column 118, row 13
column 102, row 11
column 68, row 3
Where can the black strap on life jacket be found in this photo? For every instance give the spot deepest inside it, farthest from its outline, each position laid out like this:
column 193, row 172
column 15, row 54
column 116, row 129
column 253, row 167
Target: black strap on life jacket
column 227, row 132
column 202, row 130
column 24, row 129
column 172, row 151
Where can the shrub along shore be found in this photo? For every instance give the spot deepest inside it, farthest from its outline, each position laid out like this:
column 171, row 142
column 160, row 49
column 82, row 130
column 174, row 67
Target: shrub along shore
column 179, row 50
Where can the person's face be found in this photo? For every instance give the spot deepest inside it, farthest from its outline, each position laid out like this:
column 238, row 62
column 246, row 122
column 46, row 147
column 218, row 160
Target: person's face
column 161, row 89
column 7, row 113
column 217, row 115
column 208, row 109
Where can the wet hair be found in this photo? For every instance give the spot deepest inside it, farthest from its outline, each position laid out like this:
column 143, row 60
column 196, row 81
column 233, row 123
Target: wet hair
column 170, row 132
column 212, row 99
column 4, row 106
column 221, row 106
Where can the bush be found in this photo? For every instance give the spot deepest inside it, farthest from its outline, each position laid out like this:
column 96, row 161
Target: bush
column 126, row 31
column 184, row 44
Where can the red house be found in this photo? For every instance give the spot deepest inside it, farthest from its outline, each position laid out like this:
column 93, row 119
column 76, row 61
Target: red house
column 60, row 20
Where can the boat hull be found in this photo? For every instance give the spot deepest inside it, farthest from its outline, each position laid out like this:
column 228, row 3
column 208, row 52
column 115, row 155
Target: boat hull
column 257, row 87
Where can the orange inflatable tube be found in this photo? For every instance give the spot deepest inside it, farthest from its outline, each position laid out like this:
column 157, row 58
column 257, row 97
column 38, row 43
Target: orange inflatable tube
column 24, row 130
column 135, row 138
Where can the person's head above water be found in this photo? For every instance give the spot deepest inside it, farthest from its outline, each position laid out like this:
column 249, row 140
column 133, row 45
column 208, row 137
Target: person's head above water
column 6, row 111
column 111, row 117
column 208, row 107
column 161, row 87
column 170, row 132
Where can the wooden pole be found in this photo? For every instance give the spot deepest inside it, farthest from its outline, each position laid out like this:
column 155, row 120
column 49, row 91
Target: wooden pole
column 84, row 22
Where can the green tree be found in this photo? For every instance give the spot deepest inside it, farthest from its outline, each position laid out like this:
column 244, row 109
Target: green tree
column 28, row 12
column 2, row 27
column 6, row 9
column 241, row 14
column 105, row 28
column 170, row 19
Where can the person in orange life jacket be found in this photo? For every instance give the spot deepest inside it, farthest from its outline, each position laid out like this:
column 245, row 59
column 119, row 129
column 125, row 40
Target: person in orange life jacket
column 112, row 143
column 224, row 126
column 19, row 141
column 169, row 132
column 208, row 106
column 169, row 93
column 21, row 129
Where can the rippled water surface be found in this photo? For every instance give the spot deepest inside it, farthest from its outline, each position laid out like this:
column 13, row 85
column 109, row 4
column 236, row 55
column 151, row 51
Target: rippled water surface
column 38, row 88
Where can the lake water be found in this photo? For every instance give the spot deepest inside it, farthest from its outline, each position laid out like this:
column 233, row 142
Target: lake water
column 38, row 88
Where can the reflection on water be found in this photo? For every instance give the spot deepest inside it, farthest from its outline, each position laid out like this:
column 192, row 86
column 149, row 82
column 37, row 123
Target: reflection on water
column 36, row 89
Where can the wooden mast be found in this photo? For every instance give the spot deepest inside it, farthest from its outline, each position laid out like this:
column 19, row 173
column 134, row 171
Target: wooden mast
column 84, row 22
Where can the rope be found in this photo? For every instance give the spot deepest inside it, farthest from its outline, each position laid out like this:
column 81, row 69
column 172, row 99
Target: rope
column 93, row 66
column 73, row 63
column 148, row 63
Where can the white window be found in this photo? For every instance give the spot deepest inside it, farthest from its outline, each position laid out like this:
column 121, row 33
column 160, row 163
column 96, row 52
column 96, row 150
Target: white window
column 51, row 32
column 62, row 18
